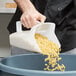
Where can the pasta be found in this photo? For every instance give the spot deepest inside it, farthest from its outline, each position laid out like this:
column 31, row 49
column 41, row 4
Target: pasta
column 52, row 51
column 10, row 5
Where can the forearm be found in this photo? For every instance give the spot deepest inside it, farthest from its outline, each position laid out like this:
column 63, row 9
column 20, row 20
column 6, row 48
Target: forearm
column 24, row 5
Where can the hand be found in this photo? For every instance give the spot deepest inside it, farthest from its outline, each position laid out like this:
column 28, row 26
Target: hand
column 30, row 17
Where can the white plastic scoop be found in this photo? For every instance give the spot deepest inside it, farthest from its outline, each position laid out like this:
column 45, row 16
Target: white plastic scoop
column 26, row 39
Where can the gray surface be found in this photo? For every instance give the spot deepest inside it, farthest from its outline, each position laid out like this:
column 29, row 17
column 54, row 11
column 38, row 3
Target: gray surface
column 4, row 35
column 73, row 51
column 16, row 51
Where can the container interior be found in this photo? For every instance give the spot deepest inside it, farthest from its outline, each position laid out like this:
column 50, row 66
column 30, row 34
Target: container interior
column 36, row 62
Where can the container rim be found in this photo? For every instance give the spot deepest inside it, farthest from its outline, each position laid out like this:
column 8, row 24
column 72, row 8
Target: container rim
column 20, row 71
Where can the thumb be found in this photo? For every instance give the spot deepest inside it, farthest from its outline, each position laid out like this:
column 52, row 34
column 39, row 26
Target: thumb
column 42, row 18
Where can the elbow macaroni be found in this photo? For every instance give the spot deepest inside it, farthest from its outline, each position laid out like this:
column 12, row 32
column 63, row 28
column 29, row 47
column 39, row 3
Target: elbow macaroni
column 52, row 51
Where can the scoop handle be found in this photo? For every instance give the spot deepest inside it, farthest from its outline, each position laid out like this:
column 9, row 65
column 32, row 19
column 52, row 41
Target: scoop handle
column 18, row 26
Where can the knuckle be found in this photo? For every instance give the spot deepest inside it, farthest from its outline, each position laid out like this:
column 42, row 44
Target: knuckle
column 27, row 17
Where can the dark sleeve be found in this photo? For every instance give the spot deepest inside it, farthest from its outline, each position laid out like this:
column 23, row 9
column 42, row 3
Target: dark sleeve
column 63, row 14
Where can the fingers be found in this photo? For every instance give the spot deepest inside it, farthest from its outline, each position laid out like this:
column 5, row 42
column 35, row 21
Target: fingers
column 41, row 18
column 25, row 21
column 29, row 21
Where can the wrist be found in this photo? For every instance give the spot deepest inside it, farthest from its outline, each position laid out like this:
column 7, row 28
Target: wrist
column 28, row 6
column 25, row 5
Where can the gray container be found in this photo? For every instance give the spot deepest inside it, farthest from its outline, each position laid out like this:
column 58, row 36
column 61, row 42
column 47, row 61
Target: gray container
column 33, row 64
